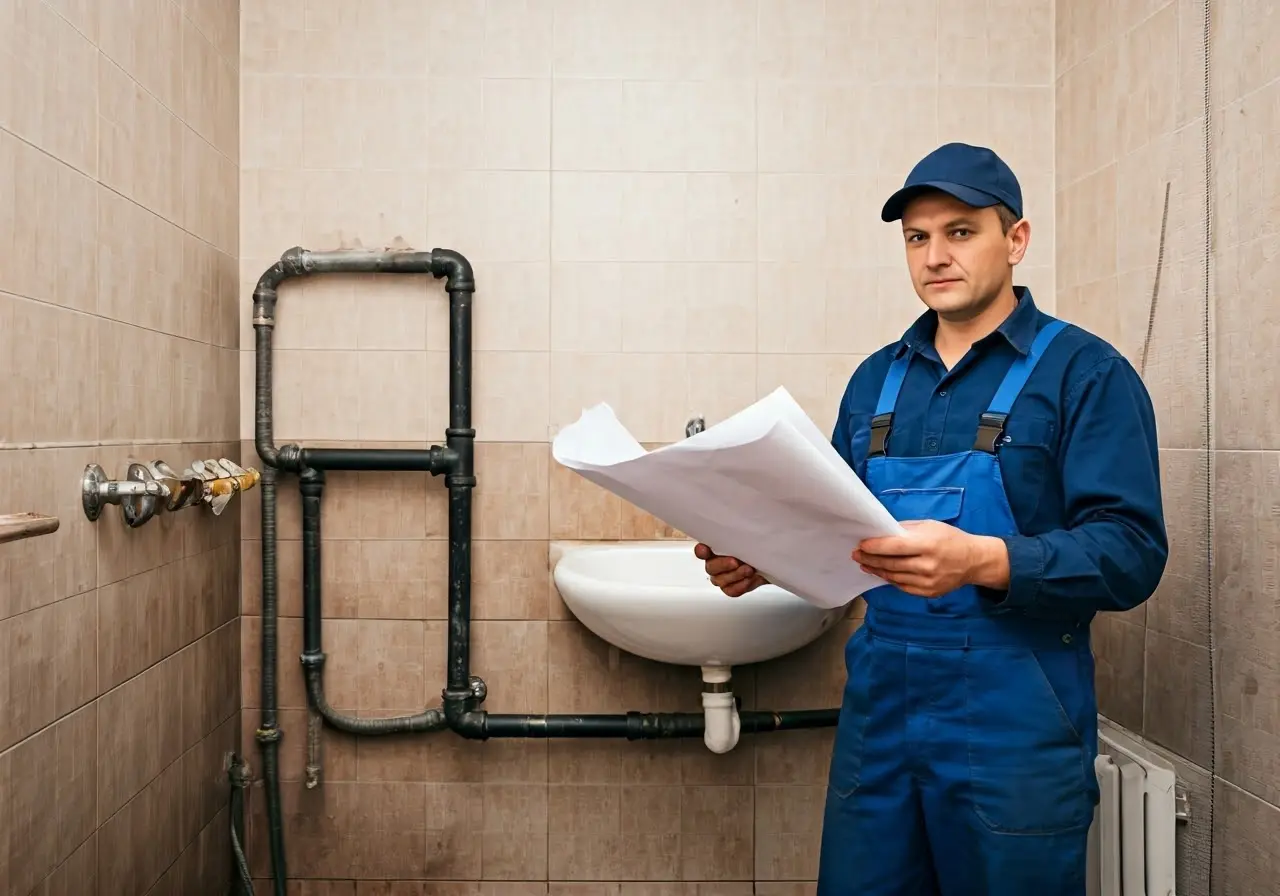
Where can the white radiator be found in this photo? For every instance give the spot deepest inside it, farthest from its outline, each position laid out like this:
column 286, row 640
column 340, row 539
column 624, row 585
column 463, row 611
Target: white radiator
column 1131, row 842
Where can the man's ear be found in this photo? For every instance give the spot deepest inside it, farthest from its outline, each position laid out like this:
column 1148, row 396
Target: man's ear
column 1019, row 240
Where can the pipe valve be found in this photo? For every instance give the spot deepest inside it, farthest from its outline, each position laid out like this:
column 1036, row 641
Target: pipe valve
column 148, row 489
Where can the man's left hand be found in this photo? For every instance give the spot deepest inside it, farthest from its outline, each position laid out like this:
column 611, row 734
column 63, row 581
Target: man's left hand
column 933, row 558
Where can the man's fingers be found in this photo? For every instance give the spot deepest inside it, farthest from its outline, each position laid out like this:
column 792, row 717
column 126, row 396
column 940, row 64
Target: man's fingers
column 718, row 566
column 737, row 589
column 890, row 546
column 729, row 574
column 888, row 562
column 896, row 577
column 740, row 574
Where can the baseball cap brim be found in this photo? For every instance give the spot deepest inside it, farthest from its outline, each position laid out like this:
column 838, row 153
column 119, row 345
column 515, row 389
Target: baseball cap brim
column 897, row 203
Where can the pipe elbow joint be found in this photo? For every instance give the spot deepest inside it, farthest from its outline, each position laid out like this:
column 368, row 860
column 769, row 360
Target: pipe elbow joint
column 455, row 268
column 470, row 725
column 293, row 263
column 267, row 451
column 461, row 719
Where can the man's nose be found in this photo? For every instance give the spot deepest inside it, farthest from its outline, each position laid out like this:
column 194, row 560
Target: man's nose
column 938, row 256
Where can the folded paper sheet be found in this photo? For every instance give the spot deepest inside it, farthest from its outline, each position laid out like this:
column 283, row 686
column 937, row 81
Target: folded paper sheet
column 765, row 486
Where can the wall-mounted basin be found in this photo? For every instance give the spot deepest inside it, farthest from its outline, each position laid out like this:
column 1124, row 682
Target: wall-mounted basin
column 653, row 599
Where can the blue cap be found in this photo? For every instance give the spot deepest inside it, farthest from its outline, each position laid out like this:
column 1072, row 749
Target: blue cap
column 973, row 174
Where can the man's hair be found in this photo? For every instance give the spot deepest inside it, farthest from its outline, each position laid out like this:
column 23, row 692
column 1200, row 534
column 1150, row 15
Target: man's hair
column 1007, row 217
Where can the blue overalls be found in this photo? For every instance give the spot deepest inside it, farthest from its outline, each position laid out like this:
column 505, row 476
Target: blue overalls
column 963, row 761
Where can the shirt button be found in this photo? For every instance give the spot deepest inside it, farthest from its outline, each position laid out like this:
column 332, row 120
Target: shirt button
column 933, row 443
column 1066, row 639
column 942, row 393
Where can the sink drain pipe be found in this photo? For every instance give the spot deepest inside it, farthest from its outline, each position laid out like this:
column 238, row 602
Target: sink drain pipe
column 464, row 693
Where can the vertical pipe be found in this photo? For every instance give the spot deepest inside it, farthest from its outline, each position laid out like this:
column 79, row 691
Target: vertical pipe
column 459, row 589
column 268, row 734
column 311, row 485
column 264, row 309
column 460, row 438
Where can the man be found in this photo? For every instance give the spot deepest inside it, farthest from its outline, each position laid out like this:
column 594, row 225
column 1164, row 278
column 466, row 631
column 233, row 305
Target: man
column 1020, row 454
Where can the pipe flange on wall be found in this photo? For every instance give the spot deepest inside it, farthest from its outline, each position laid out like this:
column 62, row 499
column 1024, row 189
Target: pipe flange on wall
column 136, row 495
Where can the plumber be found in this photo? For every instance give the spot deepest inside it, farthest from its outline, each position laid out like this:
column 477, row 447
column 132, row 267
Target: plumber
column 1020, row 454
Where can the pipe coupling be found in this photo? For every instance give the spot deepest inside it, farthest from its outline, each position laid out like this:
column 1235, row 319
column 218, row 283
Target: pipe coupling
column 289, row 458
column 312, row 661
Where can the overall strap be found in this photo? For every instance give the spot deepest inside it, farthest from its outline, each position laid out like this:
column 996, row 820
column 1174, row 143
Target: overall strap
column 883, row 419
column 991, row 423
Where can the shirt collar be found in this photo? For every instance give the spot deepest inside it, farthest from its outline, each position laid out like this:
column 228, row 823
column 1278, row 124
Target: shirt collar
column 1018, row 329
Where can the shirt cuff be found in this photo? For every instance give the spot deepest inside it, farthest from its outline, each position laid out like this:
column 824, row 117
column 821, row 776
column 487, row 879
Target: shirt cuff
column 1026, row 573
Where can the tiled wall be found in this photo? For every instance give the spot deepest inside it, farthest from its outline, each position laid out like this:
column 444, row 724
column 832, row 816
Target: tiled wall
column 1131, row 112
column 118, row 240
column 671, row 206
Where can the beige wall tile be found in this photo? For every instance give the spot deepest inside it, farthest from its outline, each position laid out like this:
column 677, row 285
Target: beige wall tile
column 1245, row 321
column 1180, row 606
column 1118, row 666
column 45, row 235
column 476, row 123
column 1247, row 489
column 52, row 95
column 1178, row 706
column 1244, row 841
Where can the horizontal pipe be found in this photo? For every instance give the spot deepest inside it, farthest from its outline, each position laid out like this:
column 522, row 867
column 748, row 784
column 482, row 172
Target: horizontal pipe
column 480, row 725
column 434, row 460
column 299, row 262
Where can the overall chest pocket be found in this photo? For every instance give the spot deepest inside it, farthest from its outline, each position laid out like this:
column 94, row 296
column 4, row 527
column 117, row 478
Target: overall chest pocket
column 1030, row 432
column 943, row 504
column 1028, row 460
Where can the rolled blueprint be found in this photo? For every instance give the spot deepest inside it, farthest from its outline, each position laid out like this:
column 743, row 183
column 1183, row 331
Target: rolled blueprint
column 765, row 486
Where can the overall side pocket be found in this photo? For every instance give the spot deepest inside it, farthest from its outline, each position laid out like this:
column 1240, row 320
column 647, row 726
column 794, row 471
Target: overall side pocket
column 1028, row 766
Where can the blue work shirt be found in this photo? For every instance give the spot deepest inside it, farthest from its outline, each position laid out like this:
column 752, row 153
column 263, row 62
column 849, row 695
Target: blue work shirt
column 1080, row 461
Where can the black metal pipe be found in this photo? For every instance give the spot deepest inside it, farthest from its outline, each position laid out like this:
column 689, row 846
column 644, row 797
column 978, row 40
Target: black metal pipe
column 434, row 460
column 268, row 733
column 242, row 880
column 461, row 480
column 311, row 485
column 298, row 262
column 480, row 725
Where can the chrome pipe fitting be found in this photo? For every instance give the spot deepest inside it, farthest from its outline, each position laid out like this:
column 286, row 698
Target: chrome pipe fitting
column 148, row 489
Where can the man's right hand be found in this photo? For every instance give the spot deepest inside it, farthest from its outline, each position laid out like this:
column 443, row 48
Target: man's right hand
column 729, row 574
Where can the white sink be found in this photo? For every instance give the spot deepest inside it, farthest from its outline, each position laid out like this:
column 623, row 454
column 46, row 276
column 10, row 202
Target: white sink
column 653, row 599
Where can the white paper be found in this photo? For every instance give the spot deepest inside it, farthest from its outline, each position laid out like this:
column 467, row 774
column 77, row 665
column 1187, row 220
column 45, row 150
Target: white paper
column 765, row 486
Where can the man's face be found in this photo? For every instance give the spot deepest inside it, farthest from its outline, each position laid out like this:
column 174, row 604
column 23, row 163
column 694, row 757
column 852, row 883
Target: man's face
column 959, row 257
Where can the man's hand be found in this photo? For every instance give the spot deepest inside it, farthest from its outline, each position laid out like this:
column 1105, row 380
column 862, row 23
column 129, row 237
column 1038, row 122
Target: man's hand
column 934, row 558
column 729, row 574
